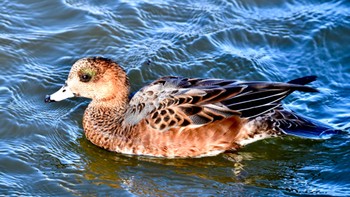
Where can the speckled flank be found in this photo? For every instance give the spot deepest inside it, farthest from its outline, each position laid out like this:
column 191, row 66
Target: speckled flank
column 142, row 140
column 176, row 116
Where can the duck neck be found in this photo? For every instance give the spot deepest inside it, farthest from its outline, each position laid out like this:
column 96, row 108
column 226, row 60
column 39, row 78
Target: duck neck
column 103, row 122
column 112, row 103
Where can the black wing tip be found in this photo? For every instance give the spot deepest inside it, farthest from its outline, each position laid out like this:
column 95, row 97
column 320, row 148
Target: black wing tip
column 303, row 80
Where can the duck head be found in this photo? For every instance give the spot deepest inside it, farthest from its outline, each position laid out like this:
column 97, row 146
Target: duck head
column 97, row 78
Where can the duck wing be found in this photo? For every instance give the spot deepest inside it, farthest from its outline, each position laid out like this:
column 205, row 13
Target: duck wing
column 261, row 97
column 193, row 102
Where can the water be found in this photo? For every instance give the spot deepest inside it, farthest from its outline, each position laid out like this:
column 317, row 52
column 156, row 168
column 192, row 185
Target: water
column 42, row 148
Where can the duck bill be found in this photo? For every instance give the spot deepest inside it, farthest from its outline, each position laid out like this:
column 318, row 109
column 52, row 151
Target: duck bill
column 60, row 95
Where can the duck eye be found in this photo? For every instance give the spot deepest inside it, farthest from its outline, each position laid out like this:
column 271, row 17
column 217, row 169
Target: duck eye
column 85, row 78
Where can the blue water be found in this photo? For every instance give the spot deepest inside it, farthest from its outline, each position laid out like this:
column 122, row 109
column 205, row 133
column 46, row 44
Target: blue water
column 42, row 147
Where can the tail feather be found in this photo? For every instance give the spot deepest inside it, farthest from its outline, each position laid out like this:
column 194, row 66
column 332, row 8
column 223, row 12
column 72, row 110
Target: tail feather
column 300, row 126
column 317, row 131
column 303, row 80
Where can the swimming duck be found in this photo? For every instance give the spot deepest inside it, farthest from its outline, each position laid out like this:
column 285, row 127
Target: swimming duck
column 182, row 117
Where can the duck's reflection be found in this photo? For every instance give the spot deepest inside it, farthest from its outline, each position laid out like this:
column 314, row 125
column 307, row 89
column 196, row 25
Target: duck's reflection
column 157, row 176
column 261, row 166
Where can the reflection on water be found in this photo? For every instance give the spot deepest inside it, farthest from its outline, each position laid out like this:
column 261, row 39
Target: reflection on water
column 42, row 147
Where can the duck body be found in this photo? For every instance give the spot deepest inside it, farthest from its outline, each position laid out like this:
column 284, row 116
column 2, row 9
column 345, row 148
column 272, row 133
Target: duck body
column 182, row 117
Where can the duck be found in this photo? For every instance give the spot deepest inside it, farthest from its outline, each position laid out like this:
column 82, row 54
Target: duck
column 179, row 117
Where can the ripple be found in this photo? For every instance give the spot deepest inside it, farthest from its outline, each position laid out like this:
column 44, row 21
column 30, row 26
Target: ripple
column 94, row 7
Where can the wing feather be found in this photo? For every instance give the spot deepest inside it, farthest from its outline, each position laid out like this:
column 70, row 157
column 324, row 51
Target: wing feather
column 192, row 102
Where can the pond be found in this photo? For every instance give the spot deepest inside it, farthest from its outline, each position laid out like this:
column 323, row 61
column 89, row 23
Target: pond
column 43, row 150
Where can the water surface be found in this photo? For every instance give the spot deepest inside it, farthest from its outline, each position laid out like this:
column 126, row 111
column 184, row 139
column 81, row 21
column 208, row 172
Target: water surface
column 42, row 147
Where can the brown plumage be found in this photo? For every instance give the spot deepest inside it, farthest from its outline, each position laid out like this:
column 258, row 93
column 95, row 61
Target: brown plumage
column 181, row 117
